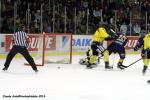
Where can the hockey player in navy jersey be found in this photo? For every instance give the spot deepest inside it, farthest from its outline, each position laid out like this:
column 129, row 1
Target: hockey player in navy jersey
column 117, row 46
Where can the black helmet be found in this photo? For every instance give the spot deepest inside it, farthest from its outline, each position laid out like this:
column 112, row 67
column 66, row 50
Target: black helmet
column 110, row 30
column 21, row 27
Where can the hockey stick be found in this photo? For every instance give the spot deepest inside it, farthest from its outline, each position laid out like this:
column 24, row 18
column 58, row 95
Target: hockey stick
column 133, row 63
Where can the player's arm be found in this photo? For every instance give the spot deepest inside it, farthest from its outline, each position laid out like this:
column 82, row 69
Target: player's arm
column 27, row 38
column 112, row 35
column 125, row 42
column 109, row 38
column 139, row 44
column 13, row 38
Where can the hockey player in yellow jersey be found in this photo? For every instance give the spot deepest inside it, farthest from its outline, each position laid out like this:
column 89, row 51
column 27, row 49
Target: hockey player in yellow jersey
column 101, row 34
column 144, row 42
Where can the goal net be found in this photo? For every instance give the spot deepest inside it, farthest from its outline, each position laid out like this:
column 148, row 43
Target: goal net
column 51, row 48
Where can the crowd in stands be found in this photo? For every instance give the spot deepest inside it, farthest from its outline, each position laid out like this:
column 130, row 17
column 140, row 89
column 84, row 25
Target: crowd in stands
column 76, row 16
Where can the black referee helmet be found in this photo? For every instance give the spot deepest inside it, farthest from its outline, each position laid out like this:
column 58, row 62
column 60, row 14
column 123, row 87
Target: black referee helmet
column 20, row 28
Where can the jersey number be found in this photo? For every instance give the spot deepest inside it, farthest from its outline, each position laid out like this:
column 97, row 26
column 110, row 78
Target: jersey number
column 122, row 38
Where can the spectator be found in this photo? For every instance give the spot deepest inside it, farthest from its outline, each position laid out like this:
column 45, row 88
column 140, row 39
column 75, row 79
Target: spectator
column 47, row 28
column 123, row 28
column 137, row 29
column 96, row 15
column 94, row 18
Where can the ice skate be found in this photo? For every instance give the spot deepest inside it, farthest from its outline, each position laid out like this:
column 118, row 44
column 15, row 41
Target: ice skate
column 36, row 71
column 4, row 69
column 89, row 66
column 120, row 66
column 107, row 66
column 148, row 81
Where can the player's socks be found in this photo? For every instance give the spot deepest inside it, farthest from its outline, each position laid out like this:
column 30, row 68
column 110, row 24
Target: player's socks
column 144, row 70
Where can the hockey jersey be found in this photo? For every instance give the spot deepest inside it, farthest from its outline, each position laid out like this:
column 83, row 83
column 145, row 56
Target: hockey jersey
column 100, row 35
column 121, row 39
column 147, row 41
column 144, row 41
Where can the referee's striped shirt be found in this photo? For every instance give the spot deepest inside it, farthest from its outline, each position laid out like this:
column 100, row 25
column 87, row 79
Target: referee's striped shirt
column 20, row 39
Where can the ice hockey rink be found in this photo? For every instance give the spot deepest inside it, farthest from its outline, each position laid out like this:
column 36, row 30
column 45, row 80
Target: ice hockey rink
column 74, row 81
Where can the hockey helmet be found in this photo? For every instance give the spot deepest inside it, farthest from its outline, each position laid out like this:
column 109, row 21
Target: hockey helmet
column 20, row 28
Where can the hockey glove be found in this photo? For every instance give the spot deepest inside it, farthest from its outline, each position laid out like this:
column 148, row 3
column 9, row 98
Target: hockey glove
column 136, row 48
column 144, row 54
column 148, row 49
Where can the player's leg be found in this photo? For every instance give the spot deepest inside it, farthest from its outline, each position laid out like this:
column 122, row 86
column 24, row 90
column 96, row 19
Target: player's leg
column 29, row 59
column 94, row 48
column 106, row 56
column 9, row 57
column 106, row 60
column 84, row 61
column 146, row 60
column 120, row 63
column 92, row 59
column 121, row 51
column 88, row 53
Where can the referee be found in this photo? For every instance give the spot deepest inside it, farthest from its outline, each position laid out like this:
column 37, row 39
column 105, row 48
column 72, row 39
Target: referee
column 20, row 44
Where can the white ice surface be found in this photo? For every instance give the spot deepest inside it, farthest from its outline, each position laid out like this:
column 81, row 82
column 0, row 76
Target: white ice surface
column 75, row 82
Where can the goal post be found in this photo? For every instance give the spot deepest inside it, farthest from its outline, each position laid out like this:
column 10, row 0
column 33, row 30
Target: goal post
column 52, row 48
